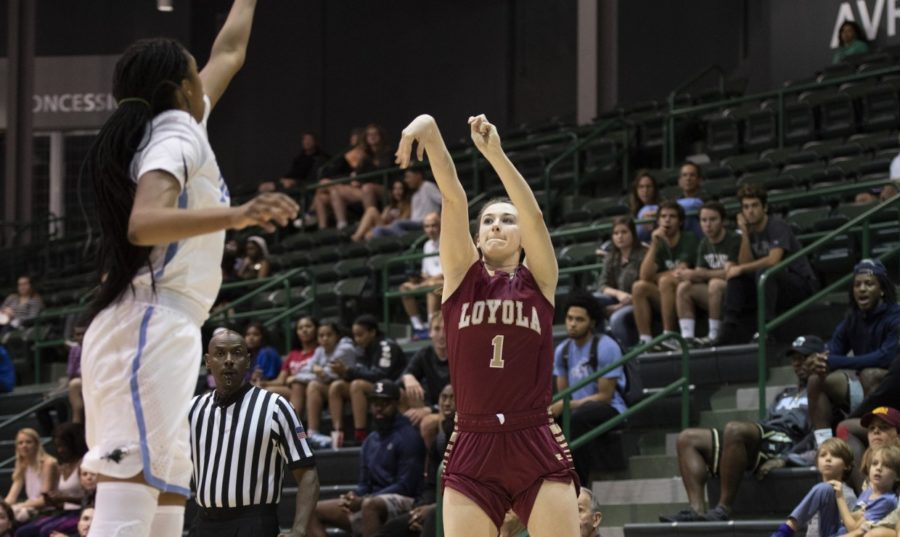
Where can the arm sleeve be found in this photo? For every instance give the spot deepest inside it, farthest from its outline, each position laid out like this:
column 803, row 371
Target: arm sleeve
column 415, row 366
column 173, row 148
column 881, row 357
column 780, row 236
column 411, row 460
column 293, row 445
column 363, row 487
column 880, row 507
column 607, row 278
column 608, row 353
column 389, row 363
column 306, row 372
column 558, row 369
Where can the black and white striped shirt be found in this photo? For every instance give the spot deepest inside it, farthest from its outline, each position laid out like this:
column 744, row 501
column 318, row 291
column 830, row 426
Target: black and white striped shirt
column 239, row 447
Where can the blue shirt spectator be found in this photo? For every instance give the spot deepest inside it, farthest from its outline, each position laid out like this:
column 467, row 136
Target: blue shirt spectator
column 579, row 366
column 872, row 337
column 392, row 461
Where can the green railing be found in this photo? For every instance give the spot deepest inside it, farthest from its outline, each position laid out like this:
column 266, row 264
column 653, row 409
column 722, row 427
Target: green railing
column 672, row 114
column 682, row 383
column 861, row 222
column 13, row 420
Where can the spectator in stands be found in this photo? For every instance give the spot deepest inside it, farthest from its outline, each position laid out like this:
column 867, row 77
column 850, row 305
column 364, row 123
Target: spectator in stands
column 378, row 357
column 888, row 191
column 833, row 461
column 755, row 446
column 880, row 427
column 7, row 520
column 304, row 168
column 7, row 371
column 431, row 276
column 73, row 371
column 852, row 41
column 84, row 522
column 337, row 196
column 316, row 375
column 420, row 520
column 20, row 306
column 379, row 153
column 255, row 263
column 765, row 241
column 589, row 514
column 865, row 197
column 621, row 269
column 425, row 377
column 643, row 202
column 426, row 199
column 690, row 177
column 861, row 348
column 671, row 251
column 705, row 285
column 391, row 462
column 266, row 362
column 580, row 355
column 879, row 499
column 34, row 473
column 398, row 207
column 302, row 349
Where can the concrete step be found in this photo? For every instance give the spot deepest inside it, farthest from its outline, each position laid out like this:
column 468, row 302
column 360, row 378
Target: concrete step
column 782, row 375
column 654, row 442
column 621, row 515
column 748, row 398
column 734, row 528
column 652, row 466
column 724, row 397
column 639, row 491
column 718, row 418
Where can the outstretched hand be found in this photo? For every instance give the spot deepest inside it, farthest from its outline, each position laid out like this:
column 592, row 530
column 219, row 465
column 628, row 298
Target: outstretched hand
column 484, row 134
column 419, row 131
column 265, row 211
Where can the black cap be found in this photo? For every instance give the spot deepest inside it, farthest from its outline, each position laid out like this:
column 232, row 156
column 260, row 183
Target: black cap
column 385, row 389
column 807, row 345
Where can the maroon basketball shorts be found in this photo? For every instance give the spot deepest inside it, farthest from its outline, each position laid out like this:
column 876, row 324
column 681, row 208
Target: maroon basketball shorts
column 500, row 461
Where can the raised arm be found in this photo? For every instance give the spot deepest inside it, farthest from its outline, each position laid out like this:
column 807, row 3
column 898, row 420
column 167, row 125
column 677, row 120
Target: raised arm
column 541, row 258
column 457, row 248
column 228, row 50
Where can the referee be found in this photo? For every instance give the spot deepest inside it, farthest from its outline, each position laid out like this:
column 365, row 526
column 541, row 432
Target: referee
column 241, row 437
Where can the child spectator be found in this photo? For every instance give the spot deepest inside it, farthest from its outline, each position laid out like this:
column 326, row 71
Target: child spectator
column 34, row 473
column 255, row 263
column 621, row 269
column 819, row 508
column 302, row 349
column 882, row 466
column 431, row 276
column 266, row 362
column 73, row 371
column 643, row 202
column 317, row 374
column 397, row 207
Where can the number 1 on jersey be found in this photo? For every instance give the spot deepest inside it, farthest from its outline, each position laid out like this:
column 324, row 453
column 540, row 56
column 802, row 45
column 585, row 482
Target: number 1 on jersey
column 497, row 360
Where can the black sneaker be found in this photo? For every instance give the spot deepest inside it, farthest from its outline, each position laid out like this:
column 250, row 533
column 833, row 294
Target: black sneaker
column 685, row 515
column 717, row 514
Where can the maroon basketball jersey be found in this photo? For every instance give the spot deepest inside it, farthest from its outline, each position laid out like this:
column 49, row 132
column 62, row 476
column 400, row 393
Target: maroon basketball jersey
column 500, row 342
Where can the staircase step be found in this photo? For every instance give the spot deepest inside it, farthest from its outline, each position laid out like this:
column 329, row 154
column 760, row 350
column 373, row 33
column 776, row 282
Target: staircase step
column 724, row 397
column 782, row 375
column 748, row 398
column 639, row 491
column 621, row 515
column 718, row 418
column 732, row 528
column 652, row 443
column 652, row 466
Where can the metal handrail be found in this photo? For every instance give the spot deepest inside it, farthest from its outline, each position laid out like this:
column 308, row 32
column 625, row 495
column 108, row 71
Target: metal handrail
column 30, row 410
column 715, row 68
column 764, row 327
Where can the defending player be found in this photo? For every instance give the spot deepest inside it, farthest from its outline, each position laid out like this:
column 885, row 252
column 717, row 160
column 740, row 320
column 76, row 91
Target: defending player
column 498, row 313
column 163, row 208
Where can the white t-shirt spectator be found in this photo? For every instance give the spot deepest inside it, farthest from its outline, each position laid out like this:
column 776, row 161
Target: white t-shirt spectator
column 431, row 266
column 425, row 200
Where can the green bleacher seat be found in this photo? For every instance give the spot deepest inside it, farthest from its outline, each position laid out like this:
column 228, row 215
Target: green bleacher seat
column 573, row 255
column 352, row 267
column 600, row 207
column 721, row 188
column 747, row 163
column 806, row 219
column 770, row 180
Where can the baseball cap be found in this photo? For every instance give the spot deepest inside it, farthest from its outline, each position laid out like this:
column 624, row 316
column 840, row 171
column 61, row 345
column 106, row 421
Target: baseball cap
column 806, row 345
column 385, row 389
column 889, row 415
column 870, row 266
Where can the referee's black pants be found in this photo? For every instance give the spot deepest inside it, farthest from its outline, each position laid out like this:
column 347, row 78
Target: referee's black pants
column 251, row 521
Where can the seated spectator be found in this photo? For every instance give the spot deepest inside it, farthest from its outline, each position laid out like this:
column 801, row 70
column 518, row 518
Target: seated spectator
column 579, row 356
column 316, row 375
column 304, row 168
column 266, row 362
column 621, row 269
column 397, row 208
column 852, row 41
column 425, row 377
column 865, row 197
column 420, row 520
column 73, row 371
column 426, row 199
column 302, row 349
column 84, row 522
column 391, row 462
column 431, row 276
column 888, row 191
column 877, row 428
column 34, row 474
column 378, row 151
column 755, row 446
column 69, row 501
column 7, row 520
column 833, row 461
column 861, row 348
column 878, row 500
column 255, row 263
column 765, row 241
column 23, row 305
column 705, row 285
column 671, row 251
column 7, row 372
column 643, row 202
column 589, row 515
column 378, row 357
column 690, row 177
column 337, row 196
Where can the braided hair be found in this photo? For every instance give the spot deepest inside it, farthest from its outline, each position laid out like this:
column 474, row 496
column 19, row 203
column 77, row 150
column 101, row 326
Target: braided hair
column 146, row 81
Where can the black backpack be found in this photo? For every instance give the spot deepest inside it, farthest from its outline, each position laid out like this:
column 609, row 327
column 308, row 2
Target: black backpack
column 634, row 386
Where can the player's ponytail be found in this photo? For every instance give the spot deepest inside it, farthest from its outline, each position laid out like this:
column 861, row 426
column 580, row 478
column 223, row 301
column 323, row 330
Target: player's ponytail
column 146, row 80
